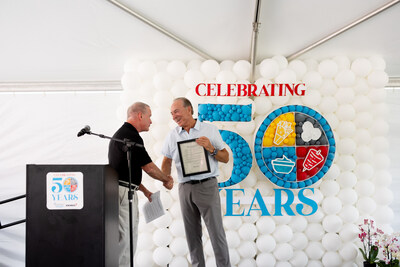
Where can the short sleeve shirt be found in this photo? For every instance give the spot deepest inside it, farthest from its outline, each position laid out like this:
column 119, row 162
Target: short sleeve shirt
column 117, row 155
column 170, row 148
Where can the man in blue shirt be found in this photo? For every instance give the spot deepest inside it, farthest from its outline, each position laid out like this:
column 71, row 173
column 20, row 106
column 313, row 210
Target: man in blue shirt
column 198, row 194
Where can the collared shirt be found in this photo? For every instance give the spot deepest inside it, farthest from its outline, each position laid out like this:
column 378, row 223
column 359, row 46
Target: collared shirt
column 117, row 155
column 170, row 148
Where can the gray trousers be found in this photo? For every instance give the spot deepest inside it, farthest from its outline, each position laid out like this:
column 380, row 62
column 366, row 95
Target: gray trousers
column 202, row 201
column 124, row 253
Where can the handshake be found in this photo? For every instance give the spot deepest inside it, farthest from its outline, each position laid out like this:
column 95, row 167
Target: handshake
column 169, row 183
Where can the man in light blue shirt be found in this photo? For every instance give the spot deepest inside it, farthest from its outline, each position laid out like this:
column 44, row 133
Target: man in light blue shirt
column 198, row 194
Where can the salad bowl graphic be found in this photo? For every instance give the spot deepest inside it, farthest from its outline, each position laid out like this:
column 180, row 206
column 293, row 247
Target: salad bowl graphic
column 282, row 165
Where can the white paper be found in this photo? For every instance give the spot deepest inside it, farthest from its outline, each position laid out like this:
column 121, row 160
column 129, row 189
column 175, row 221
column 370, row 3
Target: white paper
column 154, row 209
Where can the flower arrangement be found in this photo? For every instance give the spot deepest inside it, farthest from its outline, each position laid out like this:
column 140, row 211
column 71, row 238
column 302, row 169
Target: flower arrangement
column 369, row 237
column 390, row 250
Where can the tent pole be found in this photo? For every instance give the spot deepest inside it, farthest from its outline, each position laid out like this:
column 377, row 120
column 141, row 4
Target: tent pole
column 254, row 39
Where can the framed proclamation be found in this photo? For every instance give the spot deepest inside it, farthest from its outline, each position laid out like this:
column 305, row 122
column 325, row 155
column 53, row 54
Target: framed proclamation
column 194, row 159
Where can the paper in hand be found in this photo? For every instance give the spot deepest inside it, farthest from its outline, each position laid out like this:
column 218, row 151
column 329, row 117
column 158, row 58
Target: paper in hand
column 154, row 209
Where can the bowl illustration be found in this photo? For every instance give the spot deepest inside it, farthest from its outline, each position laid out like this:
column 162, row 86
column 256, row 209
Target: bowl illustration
column 282, row 165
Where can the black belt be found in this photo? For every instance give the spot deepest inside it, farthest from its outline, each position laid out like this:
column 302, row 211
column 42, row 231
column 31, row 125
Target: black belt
column 126, row 184
column 199, row 181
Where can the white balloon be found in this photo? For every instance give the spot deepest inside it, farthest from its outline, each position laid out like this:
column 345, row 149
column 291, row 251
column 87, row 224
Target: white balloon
column 343, row 62
column 333, row 120
column 314, row 232
column 381, row 161
column 210, row 68
column 347, row 179
column 176, row 68
column 331, row 259
column 247, row 263
column 364, row 171
column 348, row 251
column 331, row 242
column 348, row 196
column 346, row 129
column 227, row 65
column 265, row 225
column 262, row 105
column 279, row 100
column 377, row 95
column 248, row 231
column 346, row 112
column 329, row 188
column 366, row 205
column 383, row 215
column 333, row 172
column 247, row 249
column 328, row 87
column 179, row 88
column 283, row 252
column 378, row 63
column 378, row 79
column 162, row 81
column 346, row 163
column 234, row 256
column 364, row 154
column 162, row 237
column 349, row 214
column 178, row 262
column 380, row 144
column 345, row 95
column 162, row 256
column 131, row 81
column 345, row 78
column 232, row 238
column 315, row 251
column 365, row 188
column 298, row 67
column 194, row 64
column 328, row 68
column 299, row 258
column 313, row 80
column 179, row 246
column 281, row 60
column 145, row 241
column 163, row 98
column 147, row 69
column 242, row 69
column 283, row 234
column 364, row 120
column 380, row 127
column 265, row 260
column 163, row 221
column 361, row 67
column 226, row 77
column 299, row 241
column 331, row 205
column 328, row 104
column 362, row 103
column 161, row 65
column 286, row 76
column 312, row 64
column 177, row 228
column 363, row 137
column 312, row 98
column 346, row 146
column 265, row 243
column 383, row 177
column 316, row 217
column 144, row 258
column 232, row 222
column 269, row 68
column 298, row 224
column 349, row 232
column 383, row 195
column 192, row 78
column 332, row 223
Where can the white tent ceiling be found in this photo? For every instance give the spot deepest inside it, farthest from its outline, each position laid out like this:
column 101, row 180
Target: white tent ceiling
column 74, row 40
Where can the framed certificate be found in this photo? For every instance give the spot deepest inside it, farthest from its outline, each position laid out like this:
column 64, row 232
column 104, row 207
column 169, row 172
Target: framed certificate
column 194, row 159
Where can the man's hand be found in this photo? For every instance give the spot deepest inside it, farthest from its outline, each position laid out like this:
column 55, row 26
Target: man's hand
column 205, row 142
column 169, row 183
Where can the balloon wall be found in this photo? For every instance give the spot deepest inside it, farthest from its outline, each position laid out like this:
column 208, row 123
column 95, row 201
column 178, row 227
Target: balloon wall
column 351, row 97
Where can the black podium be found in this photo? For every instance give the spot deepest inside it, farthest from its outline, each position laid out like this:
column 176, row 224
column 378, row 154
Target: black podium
column 71, row 215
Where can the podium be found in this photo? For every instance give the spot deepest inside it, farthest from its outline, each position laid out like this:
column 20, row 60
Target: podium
column 71, row 215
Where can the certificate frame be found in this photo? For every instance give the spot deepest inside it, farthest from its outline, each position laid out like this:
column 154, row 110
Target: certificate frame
column 199, row 164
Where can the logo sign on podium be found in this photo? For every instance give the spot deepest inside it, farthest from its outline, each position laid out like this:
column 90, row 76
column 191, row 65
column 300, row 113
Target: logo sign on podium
column 64, row 190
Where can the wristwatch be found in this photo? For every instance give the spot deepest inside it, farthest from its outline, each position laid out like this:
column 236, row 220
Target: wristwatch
column 214, row 152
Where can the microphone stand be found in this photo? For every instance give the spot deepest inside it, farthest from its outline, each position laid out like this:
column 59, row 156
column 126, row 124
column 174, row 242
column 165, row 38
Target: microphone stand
column 128, row 145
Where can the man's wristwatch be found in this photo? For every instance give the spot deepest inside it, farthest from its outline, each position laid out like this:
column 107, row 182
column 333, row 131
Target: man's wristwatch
column 214, row 152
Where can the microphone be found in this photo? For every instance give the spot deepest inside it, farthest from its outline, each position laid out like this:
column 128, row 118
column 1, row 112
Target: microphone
column 85, row 130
